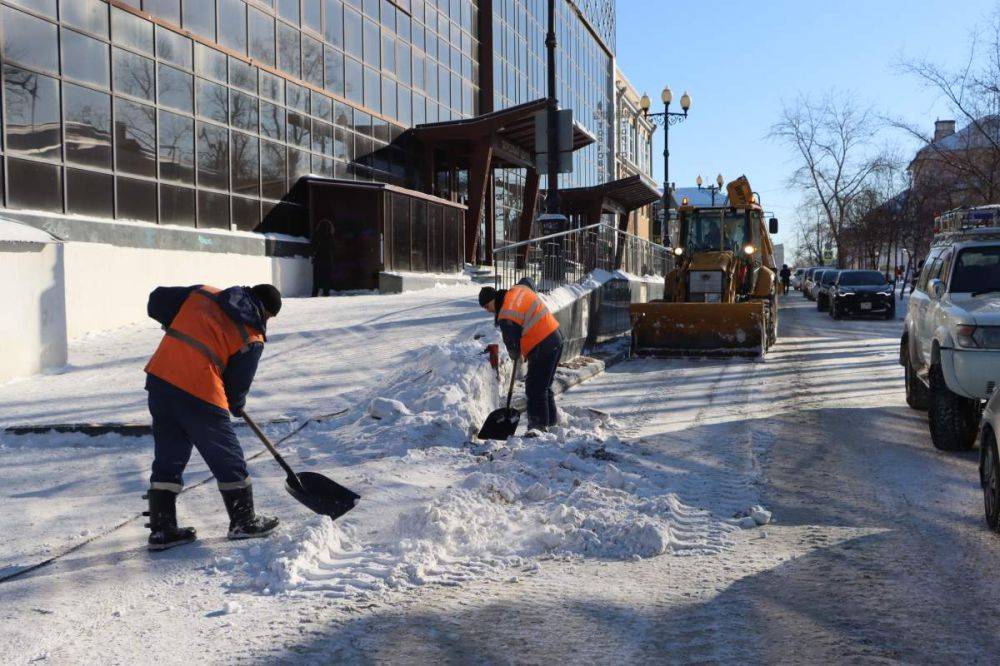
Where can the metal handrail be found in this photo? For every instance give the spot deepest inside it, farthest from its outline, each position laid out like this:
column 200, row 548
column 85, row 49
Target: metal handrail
column 569, row 256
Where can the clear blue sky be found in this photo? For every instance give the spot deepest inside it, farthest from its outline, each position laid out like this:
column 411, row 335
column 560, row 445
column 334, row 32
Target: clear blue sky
column 740, row 58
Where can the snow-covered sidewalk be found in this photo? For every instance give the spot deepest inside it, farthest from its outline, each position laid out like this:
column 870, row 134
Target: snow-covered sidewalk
column 410, row 379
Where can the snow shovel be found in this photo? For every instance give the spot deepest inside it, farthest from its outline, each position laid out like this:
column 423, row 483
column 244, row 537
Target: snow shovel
column 502, row 423
column 320, row 494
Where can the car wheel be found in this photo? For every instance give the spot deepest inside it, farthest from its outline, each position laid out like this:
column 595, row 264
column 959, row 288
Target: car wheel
column 916, row 392
column 991, row 480
column 834, row 311
column 953, row 419
column 891, row 314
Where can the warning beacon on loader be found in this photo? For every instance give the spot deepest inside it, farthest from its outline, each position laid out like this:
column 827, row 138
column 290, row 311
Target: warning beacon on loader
column 721, row 297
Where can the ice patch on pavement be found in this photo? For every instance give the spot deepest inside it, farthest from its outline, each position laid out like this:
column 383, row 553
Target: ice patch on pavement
column 577, row 491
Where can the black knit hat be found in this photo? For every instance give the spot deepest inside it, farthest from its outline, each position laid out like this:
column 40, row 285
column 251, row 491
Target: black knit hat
column 486, row 295
column 269, row 297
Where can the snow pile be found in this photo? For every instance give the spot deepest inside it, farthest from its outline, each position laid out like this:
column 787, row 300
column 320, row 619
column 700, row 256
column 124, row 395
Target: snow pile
column 578, row 491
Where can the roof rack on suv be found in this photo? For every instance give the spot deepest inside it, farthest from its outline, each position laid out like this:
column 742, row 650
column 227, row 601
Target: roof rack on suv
column 969, row 218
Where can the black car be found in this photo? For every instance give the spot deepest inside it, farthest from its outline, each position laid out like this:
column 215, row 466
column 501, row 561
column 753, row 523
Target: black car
column 826, row 280
column 862, row 293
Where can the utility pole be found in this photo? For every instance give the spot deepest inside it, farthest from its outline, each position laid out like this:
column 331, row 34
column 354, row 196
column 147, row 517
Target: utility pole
column 552, row 192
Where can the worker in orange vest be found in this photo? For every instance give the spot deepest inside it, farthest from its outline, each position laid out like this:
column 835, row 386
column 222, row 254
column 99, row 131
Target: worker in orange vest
column 200, row 374
column 529, row 330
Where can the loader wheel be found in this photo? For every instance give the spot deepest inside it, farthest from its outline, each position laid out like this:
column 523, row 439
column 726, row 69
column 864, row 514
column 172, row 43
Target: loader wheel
column 991, row 480
column 953, row 419
column 916, row 392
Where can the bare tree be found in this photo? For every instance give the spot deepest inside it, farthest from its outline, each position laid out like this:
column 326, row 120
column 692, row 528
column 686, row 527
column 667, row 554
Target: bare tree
column 834, row 144
column 812, row 234
column 968, row 162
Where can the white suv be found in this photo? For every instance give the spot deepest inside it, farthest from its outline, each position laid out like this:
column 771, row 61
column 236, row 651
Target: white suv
column 951, row 339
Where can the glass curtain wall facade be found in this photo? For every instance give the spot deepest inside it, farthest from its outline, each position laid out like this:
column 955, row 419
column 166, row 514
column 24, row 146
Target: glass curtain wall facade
column 205, row 113
column 111, row 110
column 584, row 81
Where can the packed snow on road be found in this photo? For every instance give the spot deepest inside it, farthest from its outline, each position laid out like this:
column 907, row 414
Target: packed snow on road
column 683, row 510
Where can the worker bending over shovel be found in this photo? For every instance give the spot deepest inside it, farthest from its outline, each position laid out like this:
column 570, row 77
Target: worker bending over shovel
column 199, row 375
column 529, row 330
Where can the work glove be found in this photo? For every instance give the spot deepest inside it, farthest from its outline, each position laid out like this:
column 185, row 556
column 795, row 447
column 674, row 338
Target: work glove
column 236, row 411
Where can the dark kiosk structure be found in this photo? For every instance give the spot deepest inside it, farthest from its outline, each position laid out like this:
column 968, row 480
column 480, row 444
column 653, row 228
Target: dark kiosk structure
column 382, row 227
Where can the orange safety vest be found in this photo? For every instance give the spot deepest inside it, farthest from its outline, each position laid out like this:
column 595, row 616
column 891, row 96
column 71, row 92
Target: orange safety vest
column 522, row 306
column 197, row 346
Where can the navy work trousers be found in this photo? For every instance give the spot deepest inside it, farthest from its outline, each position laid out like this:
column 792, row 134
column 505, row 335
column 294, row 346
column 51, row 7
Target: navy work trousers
column 542, row 363
column 181, row 421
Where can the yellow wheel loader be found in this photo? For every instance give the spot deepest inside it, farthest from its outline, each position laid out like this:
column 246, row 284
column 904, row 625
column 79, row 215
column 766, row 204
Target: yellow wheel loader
column 721, row 297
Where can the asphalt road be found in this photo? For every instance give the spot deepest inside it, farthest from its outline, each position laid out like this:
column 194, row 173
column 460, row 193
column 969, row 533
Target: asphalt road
column 878, row 554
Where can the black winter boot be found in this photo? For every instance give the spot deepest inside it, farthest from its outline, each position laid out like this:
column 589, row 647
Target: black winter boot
column 162, row 524
column 243, row 522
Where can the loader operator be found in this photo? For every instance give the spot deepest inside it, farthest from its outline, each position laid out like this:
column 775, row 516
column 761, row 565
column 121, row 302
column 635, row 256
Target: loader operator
column 529, row 330
column 200, row 374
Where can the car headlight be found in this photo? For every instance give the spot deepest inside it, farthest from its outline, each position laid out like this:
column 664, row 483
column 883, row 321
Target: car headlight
column 847, row 293
column 885, row 293
column 977, row 337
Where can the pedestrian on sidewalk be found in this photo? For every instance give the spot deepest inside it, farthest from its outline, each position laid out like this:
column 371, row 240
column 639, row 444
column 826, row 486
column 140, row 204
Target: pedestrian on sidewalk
column 322, row 257
column 786, row 278
column 529, row 330
column 200, row 374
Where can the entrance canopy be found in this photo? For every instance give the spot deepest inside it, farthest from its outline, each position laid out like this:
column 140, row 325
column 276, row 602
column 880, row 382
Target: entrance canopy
column 510, row 132
column 500, row 139
column 620, row 197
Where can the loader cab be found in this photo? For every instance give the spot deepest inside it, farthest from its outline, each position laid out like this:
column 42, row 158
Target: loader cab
column 734, row 230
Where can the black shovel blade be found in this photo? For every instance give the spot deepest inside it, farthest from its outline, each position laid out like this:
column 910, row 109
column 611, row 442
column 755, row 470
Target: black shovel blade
column 320, row 494
column 500, row 424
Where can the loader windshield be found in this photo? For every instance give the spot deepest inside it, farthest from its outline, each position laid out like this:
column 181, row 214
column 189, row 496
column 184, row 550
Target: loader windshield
column 717, row 229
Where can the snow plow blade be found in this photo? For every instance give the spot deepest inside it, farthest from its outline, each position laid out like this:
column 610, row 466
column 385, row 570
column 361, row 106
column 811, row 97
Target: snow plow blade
column 697, row 329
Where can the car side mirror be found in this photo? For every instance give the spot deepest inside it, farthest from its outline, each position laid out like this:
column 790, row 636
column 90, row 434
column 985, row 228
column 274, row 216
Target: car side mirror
column 772, row 225
column 936, row 289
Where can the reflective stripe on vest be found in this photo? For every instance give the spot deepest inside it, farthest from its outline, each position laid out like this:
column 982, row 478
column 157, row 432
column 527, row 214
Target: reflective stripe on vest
column 524, row 307
column 197, row 346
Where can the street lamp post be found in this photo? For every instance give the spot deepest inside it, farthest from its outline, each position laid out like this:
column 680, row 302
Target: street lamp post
column 666, row 118
column 719, row 181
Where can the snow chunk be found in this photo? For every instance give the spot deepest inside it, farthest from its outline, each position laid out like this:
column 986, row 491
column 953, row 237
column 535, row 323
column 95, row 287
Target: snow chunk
column 386, row 408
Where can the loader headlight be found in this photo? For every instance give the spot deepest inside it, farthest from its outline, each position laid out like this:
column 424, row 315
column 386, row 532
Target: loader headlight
column 749, row 249
column 678, row 251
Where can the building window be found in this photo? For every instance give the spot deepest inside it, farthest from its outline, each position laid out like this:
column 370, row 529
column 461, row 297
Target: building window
column 261, row 36
column 90, row 15
column 246, row 164
column 34, row 185
column 29, row 41
column 89, row 193
column 175, row 88
column 131, row 31
column 135, row 138
column 87, row 126
column 31, row 103
column 176, row 148
column 136, row 200
column 213, row 156
column 233, row 24
column 133, row 74
column 199, row 17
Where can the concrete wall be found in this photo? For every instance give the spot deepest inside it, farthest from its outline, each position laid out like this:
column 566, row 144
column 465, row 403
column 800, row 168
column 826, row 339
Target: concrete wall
column 33, row 323
column 107, row 286
column 54, row 292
